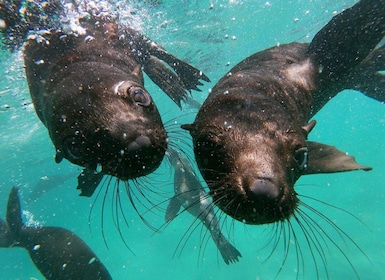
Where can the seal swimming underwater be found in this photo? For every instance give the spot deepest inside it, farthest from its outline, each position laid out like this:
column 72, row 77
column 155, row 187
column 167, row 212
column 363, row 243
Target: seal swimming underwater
column 250, row 135
column 88, row 90
column 190, row 194
column 56, row 252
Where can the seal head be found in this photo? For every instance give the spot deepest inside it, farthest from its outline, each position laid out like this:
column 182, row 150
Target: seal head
column 131, row 145
column 241, row 152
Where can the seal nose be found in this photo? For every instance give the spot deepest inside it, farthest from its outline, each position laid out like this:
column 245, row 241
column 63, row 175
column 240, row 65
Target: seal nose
column 139, row 143
column 263, row 188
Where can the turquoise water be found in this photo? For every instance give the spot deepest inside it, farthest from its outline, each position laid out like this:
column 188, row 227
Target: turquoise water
column 194, row 32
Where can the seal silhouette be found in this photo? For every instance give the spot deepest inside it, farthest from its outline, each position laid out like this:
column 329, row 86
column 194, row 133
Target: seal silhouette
column 250, row 135
column 58, row 253
column 190, row 194
column 88, row 90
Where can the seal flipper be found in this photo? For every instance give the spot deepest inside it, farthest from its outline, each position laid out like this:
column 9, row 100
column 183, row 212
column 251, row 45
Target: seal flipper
column 14, row 220
column 165, row 79
column 327, row 159
column 367, row 77
column 10, row 230
column 145, row 49
column 334, row 47
column 88, row 181
column 173, row 208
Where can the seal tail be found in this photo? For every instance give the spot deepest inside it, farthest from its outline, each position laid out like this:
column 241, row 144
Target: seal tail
column 349, row 38
column 10, row 230
column 18, row 17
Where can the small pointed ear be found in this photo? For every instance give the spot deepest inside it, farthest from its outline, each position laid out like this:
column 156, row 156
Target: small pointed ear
column 137, row 71
column 327, row 159
column 188, row 127
column 309, row 127
column 58, row 157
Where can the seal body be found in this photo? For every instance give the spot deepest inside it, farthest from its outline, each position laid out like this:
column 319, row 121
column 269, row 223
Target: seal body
column 88, row 91
column 56, row 252
column 250, row 135
column 190, row 194
column 87, row 87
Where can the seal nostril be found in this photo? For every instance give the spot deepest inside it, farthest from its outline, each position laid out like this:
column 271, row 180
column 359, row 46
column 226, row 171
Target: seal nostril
column 139, row 143
column 264, row 189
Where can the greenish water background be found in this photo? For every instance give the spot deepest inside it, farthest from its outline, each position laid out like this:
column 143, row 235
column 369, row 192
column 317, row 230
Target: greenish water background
column 194, row 32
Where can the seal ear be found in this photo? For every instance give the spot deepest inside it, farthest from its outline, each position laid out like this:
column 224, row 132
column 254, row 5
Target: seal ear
column 58, row 157
column 307, row 128
column 189, row 127
column 327, row 159
column 137, row 71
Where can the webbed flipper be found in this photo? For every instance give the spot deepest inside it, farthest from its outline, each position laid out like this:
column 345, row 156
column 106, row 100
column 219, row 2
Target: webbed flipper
column 88, row 180
column 167, row 80
column 367, row 77
column 327, row 159
column 10, row 229
column 348, row 38
column 145, row 51
column 173, row 208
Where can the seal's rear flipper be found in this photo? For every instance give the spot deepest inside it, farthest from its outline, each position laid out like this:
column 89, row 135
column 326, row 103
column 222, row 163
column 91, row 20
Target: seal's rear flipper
column 327, row 159
column 10, row 230
column 88, row 181
column 144, row 50
column 14, row 220
column 165, row 79
column 367, row 77
column 348, row 38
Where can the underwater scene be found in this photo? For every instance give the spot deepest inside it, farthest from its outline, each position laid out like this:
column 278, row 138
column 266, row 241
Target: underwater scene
column 338, row 230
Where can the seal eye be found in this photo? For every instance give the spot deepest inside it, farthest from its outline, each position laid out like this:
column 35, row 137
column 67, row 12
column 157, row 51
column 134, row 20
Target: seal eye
column 139, row 96
column 73, row 148
column 301, row 157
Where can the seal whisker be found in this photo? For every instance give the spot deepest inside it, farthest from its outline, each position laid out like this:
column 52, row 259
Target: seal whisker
column 119, row 209
column 321, row 232
column 312, row 242
column 133, row 198
column 335, row 207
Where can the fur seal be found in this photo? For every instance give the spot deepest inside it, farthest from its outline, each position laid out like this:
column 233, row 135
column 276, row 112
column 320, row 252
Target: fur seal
column 250, row 135
column 190, row 194
column 58, row 253
column 88, row 90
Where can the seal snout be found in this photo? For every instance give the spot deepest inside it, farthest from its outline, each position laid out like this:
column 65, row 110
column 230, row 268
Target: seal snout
column 263, row 188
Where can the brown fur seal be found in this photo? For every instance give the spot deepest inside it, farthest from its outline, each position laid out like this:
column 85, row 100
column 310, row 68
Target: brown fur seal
column 56, row 252
column 88, row 90
column 250, row 135
column 190, row 194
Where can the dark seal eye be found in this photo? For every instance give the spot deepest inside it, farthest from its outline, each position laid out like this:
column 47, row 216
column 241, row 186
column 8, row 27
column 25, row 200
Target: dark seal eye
column 140, row 96
column 73, row 148
column 301, row 157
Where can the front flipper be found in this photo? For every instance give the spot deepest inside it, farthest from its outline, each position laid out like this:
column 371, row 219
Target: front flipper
column 172, row 208
column 88, row 181
column 144, row 50
column 327, row 159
